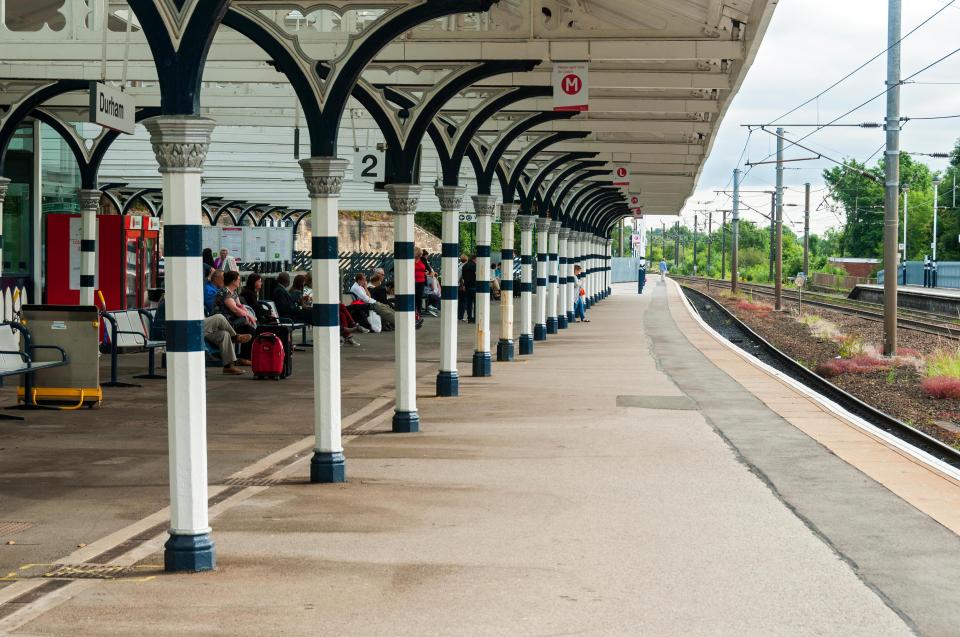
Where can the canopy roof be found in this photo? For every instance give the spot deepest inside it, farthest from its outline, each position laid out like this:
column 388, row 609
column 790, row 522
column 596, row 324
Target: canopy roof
column 662, row 73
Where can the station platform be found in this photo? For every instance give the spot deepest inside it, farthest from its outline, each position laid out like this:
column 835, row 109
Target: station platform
column 634, row 476
column 915, row 297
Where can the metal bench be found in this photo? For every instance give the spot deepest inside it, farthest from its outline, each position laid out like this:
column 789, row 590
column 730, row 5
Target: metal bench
column 130, row 330
column 293, row 325
column 16, row 359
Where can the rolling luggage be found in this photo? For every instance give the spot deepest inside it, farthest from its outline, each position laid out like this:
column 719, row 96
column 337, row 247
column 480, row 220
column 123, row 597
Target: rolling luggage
column 285, row 335
column 268, row 356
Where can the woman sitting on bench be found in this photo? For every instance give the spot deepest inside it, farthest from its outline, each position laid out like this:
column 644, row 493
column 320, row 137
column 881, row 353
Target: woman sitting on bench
column 229, row 304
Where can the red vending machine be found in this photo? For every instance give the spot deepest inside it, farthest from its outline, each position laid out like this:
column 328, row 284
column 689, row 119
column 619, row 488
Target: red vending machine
column 128, row 251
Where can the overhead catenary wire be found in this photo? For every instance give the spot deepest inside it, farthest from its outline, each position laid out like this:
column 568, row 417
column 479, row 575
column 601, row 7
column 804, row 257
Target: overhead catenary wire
column 865, row 64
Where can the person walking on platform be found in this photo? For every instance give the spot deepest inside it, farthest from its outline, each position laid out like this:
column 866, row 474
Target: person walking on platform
column 468, row 282
column 641, row 276
column 579, row 307
column 663, row 270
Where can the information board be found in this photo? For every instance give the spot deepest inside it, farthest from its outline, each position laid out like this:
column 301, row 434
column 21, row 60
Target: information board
column 231, row 240
column 255, row 242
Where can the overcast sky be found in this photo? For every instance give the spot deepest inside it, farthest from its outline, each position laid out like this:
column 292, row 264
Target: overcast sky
column 809, row 45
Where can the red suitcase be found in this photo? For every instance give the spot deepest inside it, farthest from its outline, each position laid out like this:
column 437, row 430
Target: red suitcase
column 268, row 356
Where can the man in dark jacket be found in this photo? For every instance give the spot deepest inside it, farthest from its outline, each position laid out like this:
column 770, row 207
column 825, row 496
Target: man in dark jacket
column 468, row 281
column 286, row 306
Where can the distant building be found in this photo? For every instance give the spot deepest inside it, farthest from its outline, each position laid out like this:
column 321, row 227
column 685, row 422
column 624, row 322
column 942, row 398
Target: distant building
column 856, row 266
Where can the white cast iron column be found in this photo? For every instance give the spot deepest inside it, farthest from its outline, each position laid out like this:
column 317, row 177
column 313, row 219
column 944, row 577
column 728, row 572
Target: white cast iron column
column 403, row 201
column 483, row 205
column 324, row 179
column 180, row 144
column 526, row 283
column 508, row 216
column 540, row 329
column 563, row 281
column 552, row 274
column 89, row 206
column 451, row 198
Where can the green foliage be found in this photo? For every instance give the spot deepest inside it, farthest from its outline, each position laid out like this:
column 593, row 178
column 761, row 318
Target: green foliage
column 943, row 362
column 851, row 346
column 862, row 201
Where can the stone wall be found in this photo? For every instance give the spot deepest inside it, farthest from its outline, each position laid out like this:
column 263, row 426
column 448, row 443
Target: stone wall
column 377, row 235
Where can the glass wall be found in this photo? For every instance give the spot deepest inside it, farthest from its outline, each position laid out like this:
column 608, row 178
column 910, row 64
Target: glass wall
column 17, row 215
column 61, row 175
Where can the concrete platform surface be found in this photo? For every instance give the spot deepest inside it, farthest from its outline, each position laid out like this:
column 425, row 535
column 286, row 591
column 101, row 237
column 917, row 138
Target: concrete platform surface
column 614, row 483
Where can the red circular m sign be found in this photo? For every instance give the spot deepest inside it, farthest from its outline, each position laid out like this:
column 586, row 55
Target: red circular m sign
column 571, row 84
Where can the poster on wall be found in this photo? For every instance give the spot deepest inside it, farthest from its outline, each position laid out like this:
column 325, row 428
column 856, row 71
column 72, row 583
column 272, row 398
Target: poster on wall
column 255, row 242
column 231, row 240
column 280, row 244
column 211, row 239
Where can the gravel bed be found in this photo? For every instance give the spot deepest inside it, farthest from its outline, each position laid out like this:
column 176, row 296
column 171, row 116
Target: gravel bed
column 896, row 392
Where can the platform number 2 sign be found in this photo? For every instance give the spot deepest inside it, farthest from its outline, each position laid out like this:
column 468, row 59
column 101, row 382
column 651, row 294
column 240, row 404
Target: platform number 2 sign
column 368, row 165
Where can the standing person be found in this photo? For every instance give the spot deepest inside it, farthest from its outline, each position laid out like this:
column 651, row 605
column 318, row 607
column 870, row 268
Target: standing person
column 208, row 258
column 663, row 270
column 468, row 283
column 641, row 276
column 579, row 307
column 225, row 262
column 419, row 279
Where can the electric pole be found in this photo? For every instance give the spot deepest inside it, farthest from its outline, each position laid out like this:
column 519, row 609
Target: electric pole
column 773, row 217
column 676, row 246
column 694, row 244
column 892, row 182
column 734, row 231
column 723, row 246
column 806, row 229
column 778, row 272
column 709, row 242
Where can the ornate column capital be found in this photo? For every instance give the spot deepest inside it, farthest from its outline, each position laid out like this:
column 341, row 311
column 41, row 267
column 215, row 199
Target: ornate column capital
column 508, row 212
column 484, row 205
column 89, row 200
column 451, row 197
column 526, row 222
column 323, row 176
column 180, row 142
column 404, row 198
column 565, row 232
column 543, row 224
column 555, row 227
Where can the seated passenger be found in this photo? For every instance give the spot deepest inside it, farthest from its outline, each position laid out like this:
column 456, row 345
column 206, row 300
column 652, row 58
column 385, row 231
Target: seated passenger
column 361, row 292
column 213, row 284
column 251, row 298
column 218, row 332
column 229, row 304
column 297, row 291
column 347, row 327
column 287, row 307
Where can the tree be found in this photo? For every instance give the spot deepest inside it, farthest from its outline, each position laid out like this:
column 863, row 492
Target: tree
column 859, row 190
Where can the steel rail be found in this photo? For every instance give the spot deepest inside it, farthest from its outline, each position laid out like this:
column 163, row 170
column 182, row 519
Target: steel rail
column 851, row 403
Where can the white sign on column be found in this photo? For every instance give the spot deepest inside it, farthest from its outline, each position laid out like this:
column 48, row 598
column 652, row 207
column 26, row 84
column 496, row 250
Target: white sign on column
column 368, row 164
column 571, row 90
column 621, row 175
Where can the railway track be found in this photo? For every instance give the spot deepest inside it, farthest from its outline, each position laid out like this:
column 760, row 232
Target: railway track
column 737, row 332
column 927, row 322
